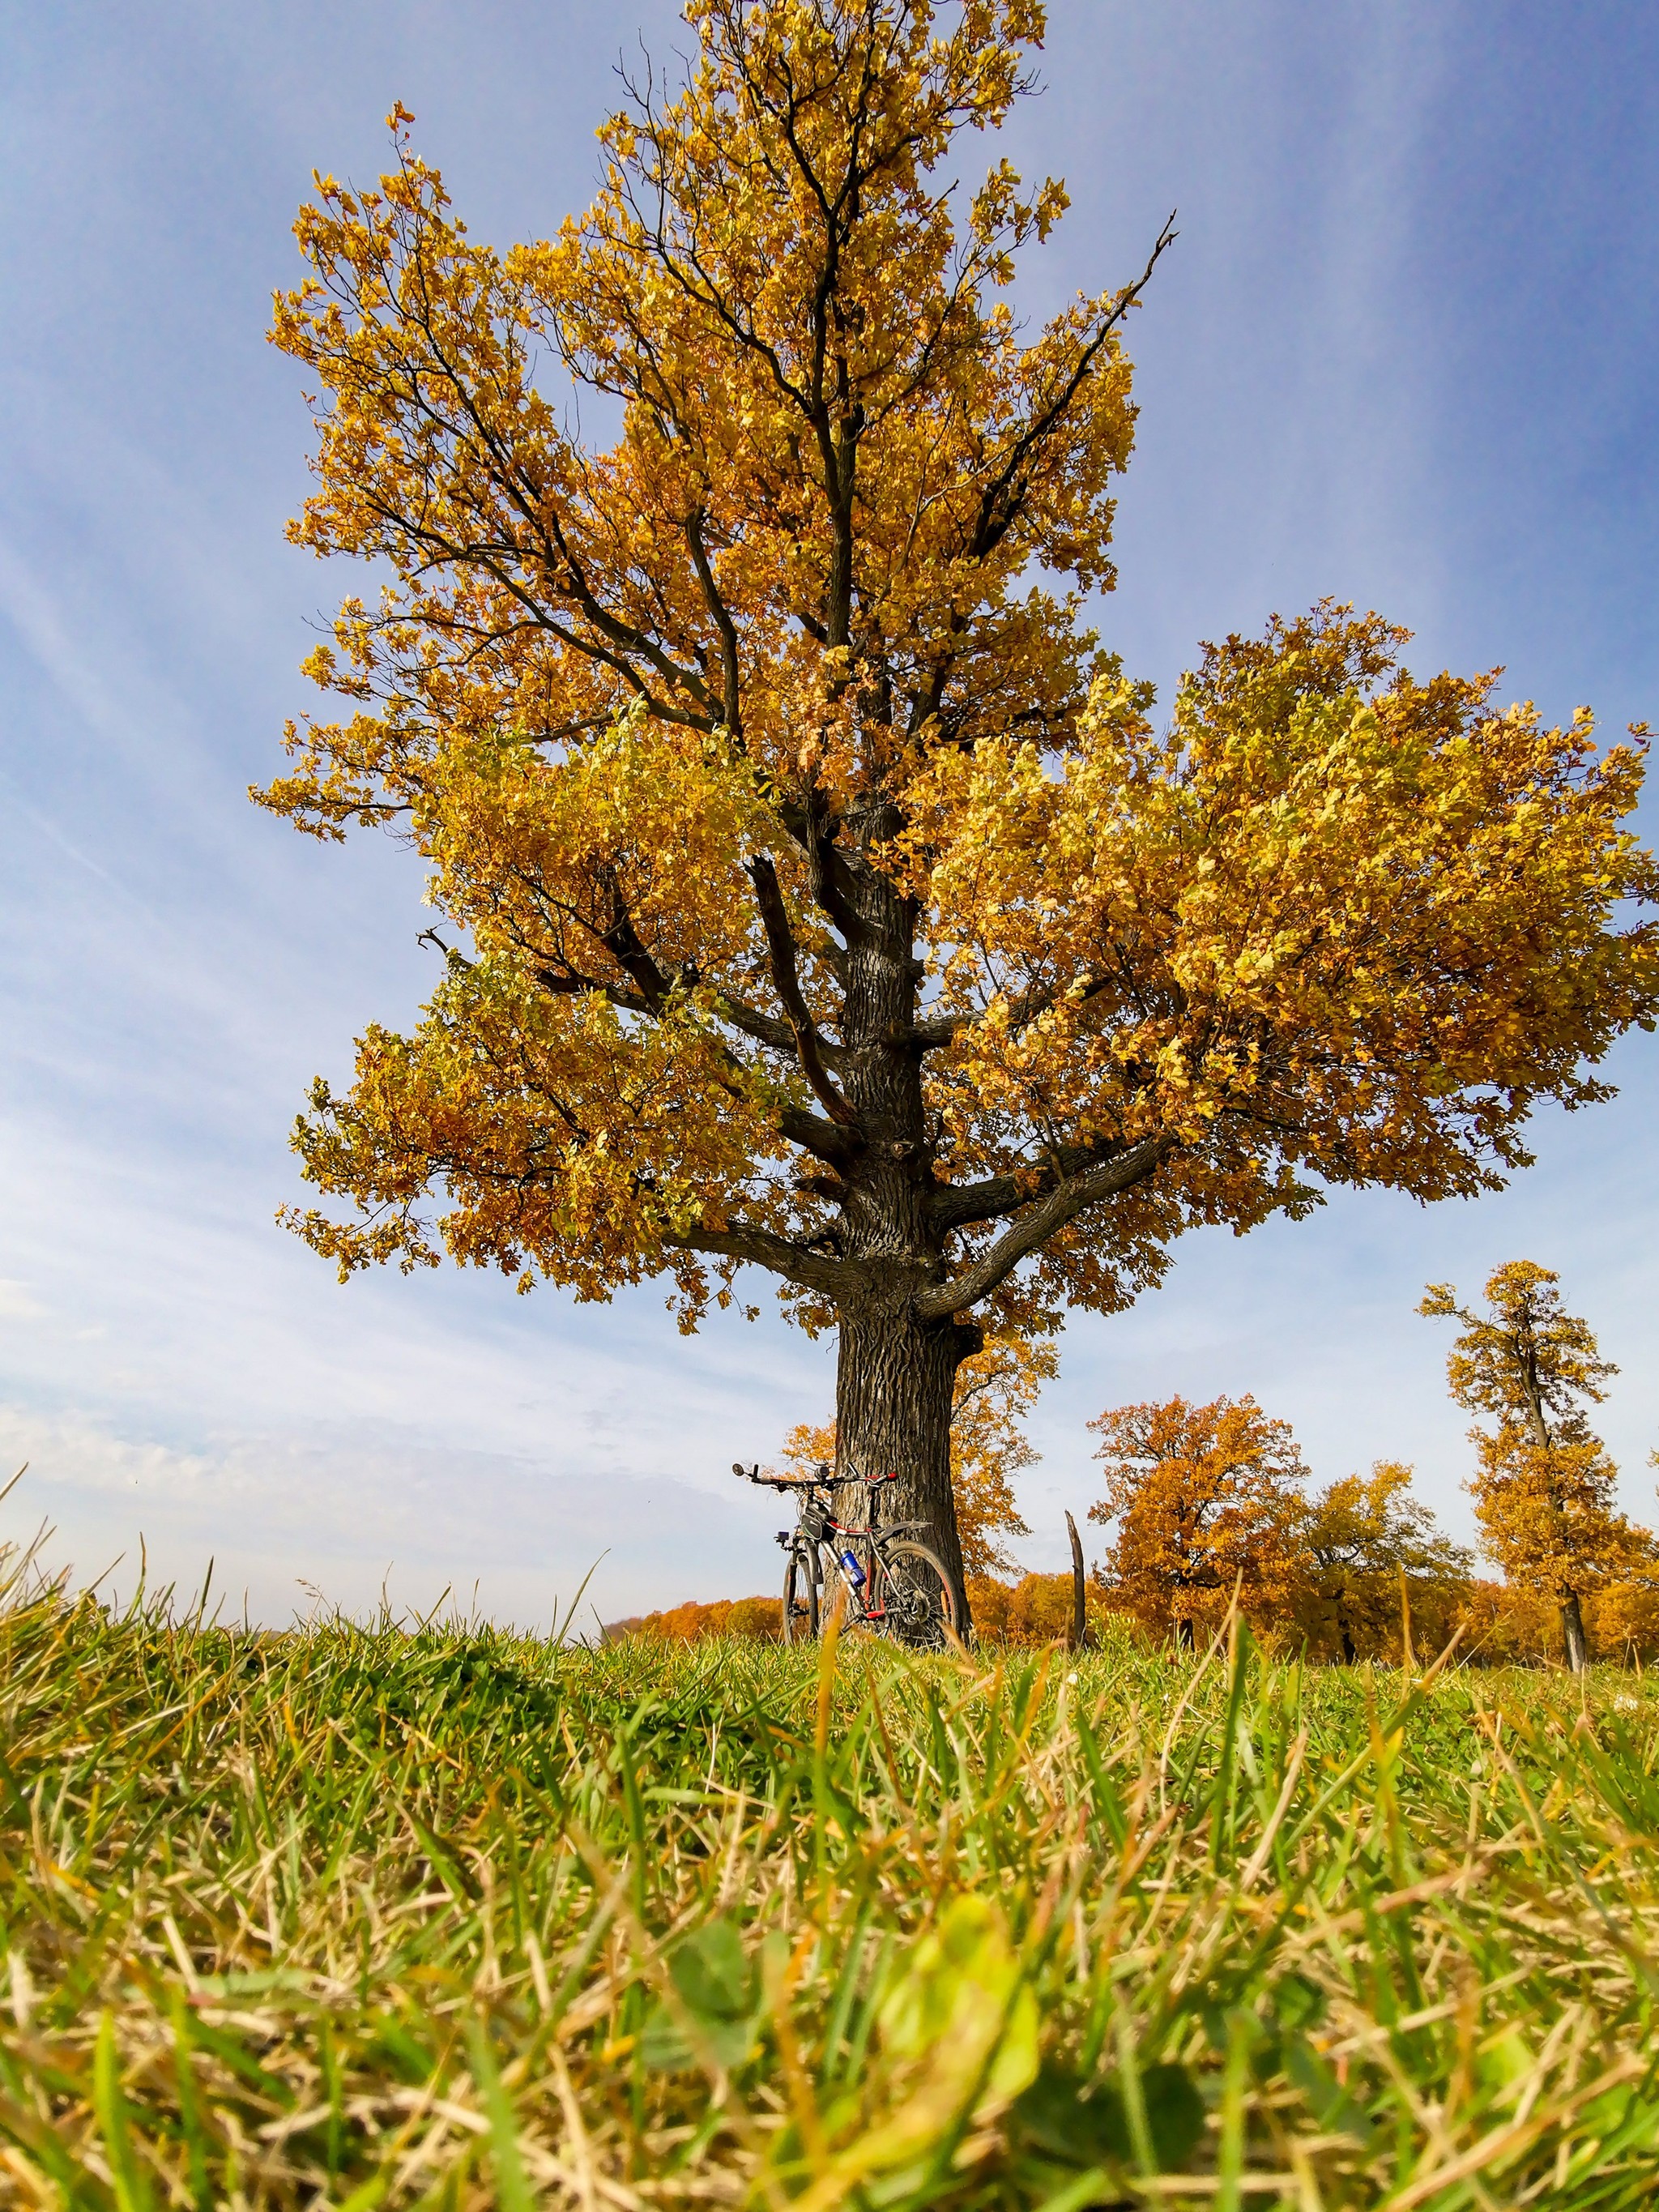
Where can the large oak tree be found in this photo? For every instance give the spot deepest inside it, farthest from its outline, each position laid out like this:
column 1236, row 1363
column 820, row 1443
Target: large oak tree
column 825, row 902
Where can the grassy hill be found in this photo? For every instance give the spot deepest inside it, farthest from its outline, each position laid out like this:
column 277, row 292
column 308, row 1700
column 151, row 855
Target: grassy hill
column 360, row 1918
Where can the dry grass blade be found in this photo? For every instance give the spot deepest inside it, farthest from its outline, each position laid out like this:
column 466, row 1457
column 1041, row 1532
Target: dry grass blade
column 374, row 1916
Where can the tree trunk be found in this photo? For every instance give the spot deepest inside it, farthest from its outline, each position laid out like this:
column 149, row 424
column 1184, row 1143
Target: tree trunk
column 894, row 1381
column 1574, row 1641
column 1572, row 1632
column 1349, row 1654
column 895, row 1375
column 1184, row 1639
column 1079, row 1595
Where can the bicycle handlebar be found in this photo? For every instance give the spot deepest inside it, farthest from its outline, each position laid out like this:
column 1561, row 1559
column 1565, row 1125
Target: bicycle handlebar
column 769, row 1482
column 822, row 1481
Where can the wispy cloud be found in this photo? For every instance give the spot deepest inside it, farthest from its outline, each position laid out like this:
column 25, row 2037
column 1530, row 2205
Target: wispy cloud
column 351, row 1509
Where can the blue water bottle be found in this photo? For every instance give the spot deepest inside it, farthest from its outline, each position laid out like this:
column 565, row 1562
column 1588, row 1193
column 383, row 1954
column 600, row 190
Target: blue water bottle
column 854, row 1571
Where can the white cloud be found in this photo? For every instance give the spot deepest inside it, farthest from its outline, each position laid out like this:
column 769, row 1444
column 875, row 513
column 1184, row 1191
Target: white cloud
column 350, row 1511
column 92, row 1458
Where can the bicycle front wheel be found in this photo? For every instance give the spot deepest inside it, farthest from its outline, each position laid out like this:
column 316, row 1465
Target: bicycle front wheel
column 800, row 1599
column 920, row 1598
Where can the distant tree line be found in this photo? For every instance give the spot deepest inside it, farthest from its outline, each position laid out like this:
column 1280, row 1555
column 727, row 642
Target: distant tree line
column 1210, row 1504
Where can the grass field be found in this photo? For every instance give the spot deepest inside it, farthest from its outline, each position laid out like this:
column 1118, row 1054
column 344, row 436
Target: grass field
column 361, row 1917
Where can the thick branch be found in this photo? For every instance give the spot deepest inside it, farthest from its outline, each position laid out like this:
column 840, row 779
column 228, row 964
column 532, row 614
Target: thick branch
column 751, row 1023
column 1034, row 1229
column 540, row 521
column 826, row 1140
column 757, row 1247
column 621, row 941
column 961, row 1206
column 570, row 982
column 830, row 1141
column 782, row 947
column 569, row 985
column 827, row 872
column 720, row 616
column 444, row 552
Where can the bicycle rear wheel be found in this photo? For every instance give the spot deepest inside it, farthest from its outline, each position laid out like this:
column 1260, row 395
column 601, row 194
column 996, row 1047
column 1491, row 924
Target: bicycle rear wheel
column 920, row 1598
column 800, row 1599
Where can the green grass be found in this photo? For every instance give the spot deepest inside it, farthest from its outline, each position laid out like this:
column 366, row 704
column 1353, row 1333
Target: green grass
column 360, row 1916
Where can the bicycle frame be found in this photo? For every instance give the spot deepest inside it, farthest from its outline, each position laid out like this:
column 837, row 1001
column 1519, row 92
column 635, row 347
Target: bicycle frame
column 868, row 1601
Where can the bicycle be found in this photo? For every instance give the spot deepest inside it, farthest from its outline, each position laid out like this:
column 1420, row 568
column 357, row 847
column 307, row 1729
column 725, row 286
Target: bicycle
column 898, row 1588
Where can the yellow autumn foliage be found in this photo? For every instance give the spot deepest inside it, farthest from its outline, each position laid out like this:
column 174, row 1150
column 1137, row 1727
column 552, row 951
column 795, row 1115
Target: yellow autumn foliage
column 820, row 897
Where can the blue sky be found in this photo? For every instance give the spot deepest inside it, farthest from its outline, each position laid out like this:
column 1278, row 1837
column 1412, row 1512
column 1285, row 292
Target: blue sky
column 1404, row 352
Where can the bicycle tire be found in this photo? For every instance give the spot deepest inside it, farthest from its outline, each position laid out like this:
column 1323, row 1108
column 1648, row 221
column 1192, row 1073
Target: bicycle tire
column 922, row 1612
column 800, row 1611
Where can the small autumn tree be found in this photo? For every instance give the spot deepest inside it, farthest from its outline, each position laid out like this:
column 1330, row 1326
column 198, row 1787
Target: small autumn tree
column 1623, row 1613
column 823, row 901
column 1206, row 1500
column 1367, row 1540
column 995, row 1390
column 1544, row 1494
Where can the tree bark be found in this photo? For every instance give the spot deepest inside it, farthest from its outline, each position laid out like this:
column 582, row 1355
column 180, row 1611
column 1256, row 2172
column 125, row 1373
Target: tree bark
column 894, row 1380
column 896, row 1372
column 1572, row 1632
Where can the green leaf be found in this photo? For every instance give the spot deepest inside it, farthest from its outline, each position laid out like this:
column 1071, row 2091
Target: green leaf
column 962, row 1975
column 371, row 2192
column 1082, row 2192
column 718, row 1990
column 712, row 1974
column 1084, row 2123
column 1080, row 2122
column 666, row 2047
column 1175, row 2113
column 1329, row 2102
column 1297, row 2003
